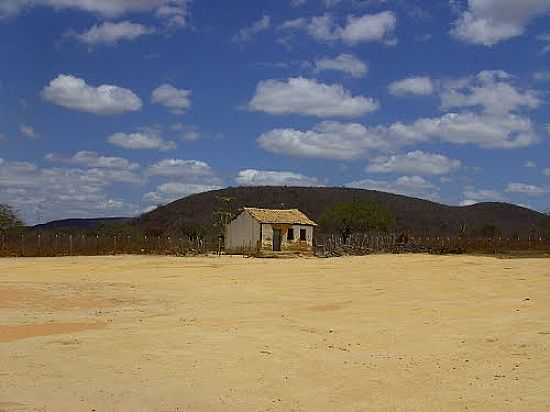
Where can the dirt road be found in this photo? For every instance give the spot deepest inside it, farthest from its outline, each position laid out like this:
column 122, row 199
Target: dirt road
column 381, row 333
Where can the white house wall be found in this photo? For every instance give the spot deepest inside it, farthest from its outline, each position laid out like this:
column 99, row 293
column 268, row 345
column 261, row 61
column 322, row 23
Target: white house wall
column 243, row 233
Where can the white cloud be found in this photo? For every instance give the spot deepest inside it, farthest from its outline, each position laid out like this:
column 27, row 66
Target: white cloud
column 529, row 190
column 546, row 172
column 370, row 27
column 421, row 86
column 309, row 97
column 416, row 162
column 189, row 170
column 328, row 140
column 248, row 33
column 489, row 114
column 252, row 177
column 186, row 133
column 75, row 94
column 147, row 139
column 469, row 202
column 473, row 196
column 488, row 22
column 344, row 141
column 176, row 100
column 542, row 76
column 346, row 63
column 172, row 191
column 173, row 12
column 406, row 185
column 487, row 131
column 545, row 40
column 492, row 91
column 367, row 28
column 64, row 192
column 297, row 3
column 94, row 160
column 109, row 33
column 28, row 131
column 530, row 164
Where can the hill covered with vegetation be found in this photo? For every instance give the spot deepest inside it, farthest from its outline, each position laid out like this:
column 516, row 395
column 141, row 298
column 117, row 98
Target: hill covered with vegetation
column 416, row 216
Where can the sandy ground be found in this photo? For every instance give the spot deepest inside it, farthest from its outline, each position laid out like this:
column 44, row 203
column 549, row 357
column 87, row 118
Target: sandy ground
column 382, row 333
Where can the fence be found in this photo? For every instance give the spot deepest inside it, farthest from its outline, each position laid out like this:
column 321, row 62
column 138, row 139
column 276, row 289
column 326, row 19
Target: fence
column 362, row 244
column 50, row 244
column 44, row 244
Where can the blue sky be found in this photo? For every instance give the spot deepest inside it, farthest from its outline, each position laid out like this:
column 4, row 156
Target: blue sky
column 109, row 108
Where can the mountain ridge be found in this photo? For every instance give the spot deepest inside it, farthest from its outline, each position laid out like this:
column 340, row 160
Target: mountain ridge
column 413, row 215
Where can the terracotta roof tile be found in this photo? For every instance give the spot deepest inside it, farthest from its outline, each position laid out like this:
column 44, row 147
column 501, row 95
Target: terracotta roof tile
column 286, row 216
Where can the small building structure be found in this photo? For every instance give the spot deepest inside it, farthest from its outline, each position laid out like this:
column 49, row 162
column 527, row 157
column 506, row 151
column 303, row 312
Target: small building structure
column 269, row 232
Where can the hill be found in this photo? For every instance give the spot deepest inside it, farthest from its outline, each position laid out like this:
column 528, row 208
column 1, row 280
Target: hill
column 81, row 224
column 413, row 215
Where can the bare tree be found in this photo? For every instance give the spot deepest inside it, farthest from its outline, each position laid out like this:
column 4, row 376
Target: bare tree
column 8, row 218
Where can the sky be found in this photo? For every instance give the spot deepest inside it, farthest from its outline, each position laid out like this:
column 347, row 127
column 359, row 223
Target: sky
column 113, row 107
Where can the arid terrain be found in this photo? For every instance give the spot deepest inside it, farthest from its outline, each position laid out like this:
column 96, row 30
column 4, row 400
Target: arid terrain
column 380, row 333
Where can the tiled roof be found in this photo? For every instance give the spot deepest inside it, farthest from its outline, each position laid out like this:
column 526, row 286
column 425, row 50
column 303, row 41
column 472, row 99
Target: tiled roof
column 287, row 216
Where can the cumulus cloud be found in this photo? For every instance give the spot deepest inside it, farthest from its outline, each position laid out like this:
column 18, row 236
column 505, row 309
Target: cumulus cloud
column 473, row 196
column 526, row 189
column 248, row 33
column 346, row 63
column 75, row 94
column 542, row 76
column 173, row 12
column 172, row 191
column 109, row 33
column 378, row 27
column 415, row 186
column 193, row 176
column 187, row 133
column 487, row 131
column 545, row 40
column 421, row 86
column 370, row 27
column 493, row 91
column 487, row 110
column 252, row 177
column 175, row 100
column 147, row 139
column 67, row 192
column 417, row 162
column 188, row 170
column 344, row 141
column 309, row 97
column 94, row 160
column 328, row 140
column 488, row 22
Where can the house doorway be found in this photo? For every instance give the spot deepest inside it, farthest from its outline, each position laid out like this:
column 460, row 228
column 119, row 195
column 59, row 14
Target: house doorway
column 276, row 240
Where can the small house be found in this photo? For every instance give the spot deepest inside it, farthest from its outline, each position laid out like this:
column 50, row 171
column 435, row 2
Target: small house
column 270, row 231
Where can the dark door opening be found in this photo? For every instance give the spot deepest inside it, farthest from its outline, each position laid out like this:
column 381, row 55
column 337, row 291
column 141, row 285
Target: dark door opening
column 276, row 240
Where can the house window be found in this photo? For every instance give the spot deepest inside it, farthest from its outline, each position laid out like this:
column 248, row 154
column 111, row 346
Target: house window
column 290, row 234
column 303, row 234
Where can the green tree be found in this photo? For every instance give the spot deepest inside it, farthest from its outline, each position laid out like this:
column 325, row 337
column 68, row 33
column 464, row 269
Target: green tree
column 9, row 219
column 356, row 217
